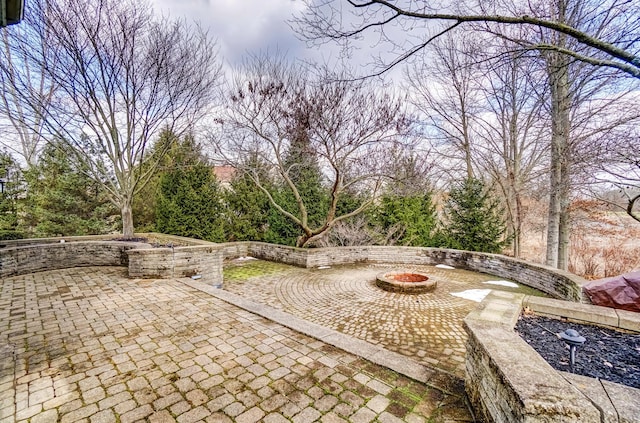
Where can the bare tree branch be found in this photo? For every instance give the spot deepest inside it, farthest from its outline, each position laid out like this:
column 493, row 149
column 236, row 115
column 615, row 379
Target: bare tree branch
column 326, row 20
column 120, row 77
column 344, row 124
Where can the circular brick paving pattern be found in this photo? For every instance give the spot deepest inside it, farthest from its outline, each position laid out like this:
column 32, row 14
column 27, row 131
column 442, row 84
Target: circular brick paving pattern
column 426, row 327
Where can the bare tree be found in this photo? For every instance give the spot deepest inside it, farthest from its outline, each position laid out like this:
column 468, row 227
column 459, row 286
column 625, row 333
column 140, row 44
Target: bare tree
column 620, row 170
column 346, row 125
column 19, row 77
column 121, row 75
column 423, row 22
column 600, row 36
column 511, row 132
column 489, row 110
column 582, row 99
column 445, row 90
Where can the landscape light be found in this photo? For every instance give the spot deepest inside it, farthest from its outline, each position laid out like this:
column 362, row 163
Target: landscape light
column 574, row 340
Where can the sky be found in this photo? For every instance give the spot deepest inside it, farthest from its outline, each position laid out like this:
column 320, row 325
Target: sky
column 243, row 26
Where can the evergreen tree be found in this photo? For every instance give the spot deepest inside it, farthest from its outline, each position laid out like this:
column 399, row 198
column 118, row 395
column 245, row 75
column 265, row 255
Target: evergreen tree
column 62, row 200
column 248, row 206
column 190, row 202
column 407, row 220
column 406, row 214
column 168, row 151
column 10, row 175
column 474, row 219
column 280, row 229
column 302, row 166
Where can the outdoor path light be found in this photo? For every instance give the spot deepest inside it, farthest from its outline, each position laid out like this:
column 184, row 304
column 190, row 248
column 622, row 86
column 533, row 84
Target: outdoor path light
column 574, row 340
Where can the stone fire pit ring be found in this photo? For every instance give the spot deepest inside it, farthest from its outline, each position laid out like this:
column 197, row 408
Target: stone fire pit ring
column 405, row 282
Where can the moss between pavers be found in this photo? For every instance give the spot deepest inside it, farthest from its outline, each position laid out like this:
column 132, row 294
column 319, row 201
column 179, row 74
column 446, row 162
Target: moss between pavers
column 236, row 271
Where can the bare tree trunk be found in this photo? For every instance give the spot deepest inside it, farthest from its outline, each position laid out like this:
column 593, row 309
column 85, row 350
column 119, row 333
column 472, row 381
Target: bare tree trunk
column 553, row 220
column 564, row 226
column 518, row 231
column 466, row 139
column 127, row 219
column 557, row 193
column 513, row 162
column 558, row 229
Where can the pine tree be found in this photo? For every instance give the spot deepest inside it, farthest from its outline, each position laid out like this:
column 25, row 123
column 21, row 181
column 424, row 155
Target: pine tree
column 407, row 220
column 62, row 200
column 190, row 201
column 474, row 219
column 169, row 150
column 10, row 174
column 248, row 206
column 406, row 214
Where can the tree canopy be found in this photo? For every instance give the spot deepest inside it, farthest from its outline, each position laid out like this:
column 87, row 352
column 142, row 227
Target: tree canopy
column 119, row 75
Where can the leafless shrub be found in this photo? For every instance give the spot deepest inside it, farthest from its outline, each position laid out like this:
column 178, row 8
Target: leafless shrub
column 618, row 260
column 584, row 260
column 352, row 232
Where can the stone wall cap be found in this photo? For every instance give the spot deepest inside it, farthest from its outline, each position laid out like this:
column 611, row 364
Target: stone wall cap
column 574, row 311
column 499, row 307
column 628, row 320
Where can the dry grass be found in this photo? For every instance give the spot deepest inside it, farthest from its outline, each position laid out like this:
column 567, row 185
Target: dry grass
column 603, row 243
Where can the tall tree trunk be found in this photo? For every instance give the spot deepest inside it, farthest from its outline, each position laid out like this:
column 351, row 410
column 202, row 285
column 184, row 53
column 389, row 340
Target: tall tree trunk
column 518, row 230
column 466, row 140
column 513, row 160
column 558, row 221
column 127, row 218
column 557, row 229
column 565, row 218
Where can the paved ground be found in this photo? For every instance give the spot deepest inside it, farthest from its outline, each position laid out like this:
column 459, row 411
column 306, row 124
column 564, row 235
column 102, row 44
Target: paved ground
column 90, row 345
column 426, row 327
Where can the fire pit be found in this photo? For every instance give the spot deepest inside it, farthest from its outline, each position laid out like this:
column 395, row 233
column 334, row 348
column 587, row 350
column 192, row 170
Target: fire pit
column 405, row 282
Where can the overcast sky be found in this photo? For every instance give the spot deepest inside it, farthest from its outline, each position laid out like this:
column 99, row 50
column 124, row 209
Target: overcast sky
column 253, row 26
column 243, row 26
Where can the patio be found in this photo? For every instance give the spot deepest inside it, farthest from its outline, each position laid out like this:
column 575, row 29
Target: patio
column 91, row 345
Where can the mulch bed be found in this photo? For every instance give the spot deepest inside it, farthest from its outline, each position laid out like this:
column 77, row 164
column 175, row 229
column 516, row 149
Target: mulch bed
column 607, row 354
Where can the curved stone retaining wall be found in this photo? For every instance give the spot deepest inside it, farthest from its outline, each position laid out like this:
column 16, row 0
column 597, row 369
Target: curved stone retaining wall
column 552, row 281
column 202, row 259
column 39, row 257
column 192, row 256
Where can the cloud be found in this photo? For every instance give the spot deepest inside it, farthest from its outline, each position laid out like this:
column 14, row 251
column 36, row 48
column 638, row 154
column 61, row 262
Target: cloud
column 242, row 26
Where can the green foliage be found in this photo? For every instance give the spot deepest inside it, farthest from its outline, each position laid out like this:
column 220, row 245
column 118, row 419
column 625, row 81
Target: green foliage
column 304, row 171
column 407, row 220
column 167, row 152
column 248, row 210
column 190, row 202
column 474, row 219
column 10, row 174
column 9, row 235
column 280, row 228
column 62, row 200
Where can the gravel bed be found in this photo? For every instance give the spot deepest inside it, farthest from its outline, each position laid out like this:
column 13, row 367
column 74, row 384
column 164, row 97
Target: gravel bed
column 607, row 354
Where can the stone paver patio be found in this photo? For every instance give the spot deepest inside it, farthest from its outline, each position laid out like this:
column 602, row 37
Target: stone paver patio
column 426, row 327
column 91, row 345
